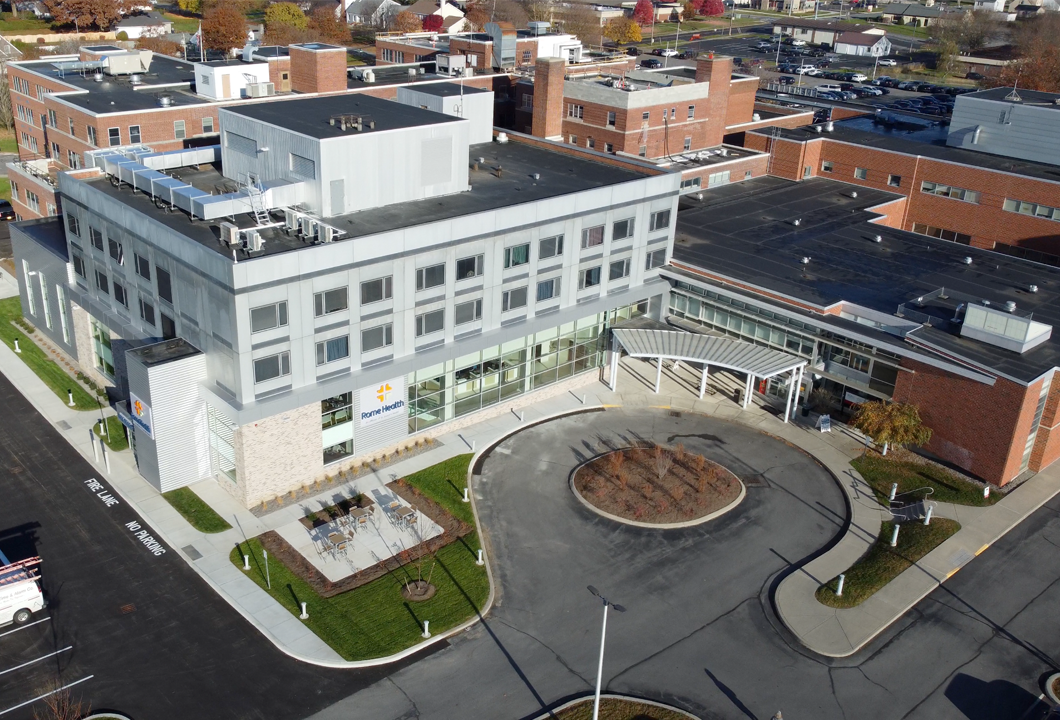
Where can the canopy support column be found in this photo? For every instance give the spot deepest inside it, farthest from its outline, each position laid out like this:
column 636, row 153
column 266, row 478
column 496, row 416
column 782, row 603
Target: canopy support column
column 658, row 375
column 791, row 393
column 615, row 353
column 703, row 381
column 747, row 390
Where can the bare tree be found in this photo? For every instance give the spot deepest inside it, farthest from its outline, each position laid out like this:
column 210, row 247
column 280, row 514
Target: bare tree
column 662, row 461
column 7, row 119
column 581, row 21
column 59, row 703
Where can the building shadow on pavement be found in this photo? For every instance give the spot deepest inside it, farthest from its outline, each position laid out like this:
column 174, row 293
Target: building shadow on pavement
column 994, row 700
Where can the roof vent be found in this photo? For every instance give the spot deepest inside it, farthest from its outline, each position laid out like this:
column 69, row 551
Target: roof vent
column 818, row 129
column 165, row 100
column 877, row 238
column 354, row 122
column 796, row 222
column 829, row 126
column 805, row 260
column 756, row 117
column 536, row 176
column 136, row 79
column 502, row 138
column 967, row 260
column 854, row 194
column 98, row 77
column 1010, row 306
column 480, row 160
column 1032, row 288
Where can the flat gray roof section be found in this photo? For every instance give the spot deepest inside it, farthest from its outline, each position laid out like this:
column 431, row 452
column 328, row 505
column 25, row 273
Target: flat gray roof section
column 1026, row 97
column 311, row 116
column 165, row 351
column 762, row 362
column 448, row 89
column 744, row 232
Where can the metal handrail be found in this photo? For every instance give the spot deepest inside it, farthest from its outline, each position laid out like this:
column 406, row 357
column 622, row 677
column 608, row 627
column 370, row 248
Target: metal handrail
column 929, row 493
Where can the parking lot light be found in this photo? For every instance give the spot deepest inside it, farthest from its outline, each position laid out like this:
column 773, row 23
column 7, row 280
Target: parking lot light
column 603, row 636
column 246, row 562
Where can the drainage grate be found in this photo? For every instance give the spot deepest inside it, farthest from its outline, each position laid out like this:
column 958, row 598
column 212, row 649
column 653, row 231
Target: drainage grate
column 756, row 480
column 126, row 609
column 675, row 413
column 191, row 552
column 63, row 425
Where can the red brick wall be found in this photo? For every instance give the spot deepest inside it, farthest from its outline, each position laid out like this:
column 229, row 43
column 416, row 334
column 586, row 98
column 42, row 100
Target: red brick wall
column 741, row 104
column 276, row 67
column 614, row 160
column 891, row 213
column 718, row 72
column 979, row 428
column 1047, row 443
column 756, row 165
column 482, row 51
column 45, row 194
column 317, row 71
column 548, row 97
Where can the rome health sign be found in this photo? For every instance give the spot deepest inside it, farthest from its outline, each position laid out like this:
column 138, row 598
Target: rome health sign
column 383, row 401
column 140, row 412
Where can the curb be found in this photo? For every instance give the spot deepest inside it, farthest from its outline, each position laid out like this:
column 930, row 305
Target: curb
column 614, row 696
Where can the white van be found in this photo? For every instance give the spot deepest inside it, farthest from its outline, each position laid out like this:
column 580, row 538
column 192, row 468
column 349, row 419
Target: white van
column 20, row 590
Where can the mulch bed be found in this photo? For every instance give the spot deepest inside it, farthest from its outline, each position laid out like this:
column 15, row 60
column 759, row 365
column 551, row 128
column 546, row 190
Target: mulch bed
column 452, row 530
column 656, row 484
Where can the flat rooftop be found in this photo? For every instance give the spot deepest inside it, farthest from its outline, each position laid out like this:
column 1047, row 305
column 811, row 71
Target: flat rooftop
column 560, row 174
column 744, row 231
column 1045, row 100
column 165, row 351
column 448, row 89
column 928, row 142
column 311, row 116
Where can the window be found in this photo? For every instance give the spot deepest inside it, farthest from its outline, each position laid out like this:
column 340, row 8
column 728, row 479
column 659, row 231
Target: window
column 377, row 337
column 469, row 267
column 73, row 225
column 268, row 317
column 622, row 229
column 656, row 258
column 644, row 117
column 303, row 166
column 73, row 160
column 528, row 102
column 169, row 327
column 861, row 173
column 431, row 276
column 575, row 111
column 513, row 299
column 526, row 57
column 29, row 288
column 143, row 268
column 611, row 119
column 52, row 120
column 590, row 278
column 97, row 238
column 1033, row 209
column 164, row 284
column 32, row 201
column 550, row 247
column 660, row 220
column 64, row 321
column 272, row 367
column 591, row 237
column 827, row 166
column 147, row 312
column 178, row 130
column 430, row 322
column 207, row 125
column 79, row 265
column 547, row 289
column 330, row 301
column 516, row 255
column 590, row 143
column 55, row 150
column 44, row 303
column 91, row 135
column 134, row 134
column 121, row 294
column 468, row 312
column 673, row 113
column 101, row 350
column 71, row 123
column 102, row 282
column 14, row 190
column 377, row 290
column 719, row 178
column 333, row 349
column 949, row 191
column 114, row 136
column 116, row 252
column 691, row 183
column 688, row 143
column 573, row 139
column 894, row 180
column 942, row 234
column 618, row 270
column 609, row 148
column 691, row 112
column 241, row 143
column 642, row 150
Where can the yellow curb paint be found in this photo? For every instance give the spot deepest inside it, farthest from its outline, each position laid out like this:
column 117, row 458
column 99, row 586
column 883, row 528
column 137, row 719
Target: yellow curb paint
column 951, row 573
column 980, row 550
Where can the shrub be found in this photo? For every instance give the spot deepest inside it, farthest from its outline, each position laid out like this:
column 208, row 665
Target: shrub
column 120, row 36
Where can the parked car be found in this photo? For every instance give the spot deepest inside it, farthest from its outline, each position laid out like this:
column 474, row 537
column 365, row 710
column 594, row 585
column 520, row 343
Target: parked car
column 908, row 85
column 633, row 50
column 828, row 87
column 786, row 81
column 764, row 44
column 887, row 62
column 974, row 76
column 6, row 211
column 650, row 63
column 695, row 36
column 804, row 69
column 795, row 42
column 822, row 64
column 849, row 95
column 669, row 52
column 827, row 95
column 859, row 77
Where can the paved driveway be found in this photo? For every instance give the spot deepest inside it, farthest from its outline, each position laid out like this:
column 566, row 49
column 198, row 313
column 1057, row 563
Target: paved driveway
column 699, row 630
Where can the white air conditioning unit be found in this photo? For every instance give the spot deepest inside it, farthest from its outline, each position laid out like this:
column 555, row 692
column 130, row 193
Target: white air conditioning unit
column 229, row 233
column 290, row 220
column 328, row 233
column 307, row 226
column 261, row 89
column 254, row 241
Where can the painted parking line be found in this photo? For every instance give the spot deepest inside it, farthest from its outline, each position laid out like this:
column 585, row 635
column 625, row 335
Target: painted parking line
column 23, row 627
column 42, row 657
column 41, row 697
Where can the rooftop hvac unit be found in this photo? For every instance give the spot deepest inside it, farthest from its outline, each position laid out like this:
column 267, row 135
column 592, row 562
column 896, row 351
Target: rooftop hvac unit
column 261, row 89
column 254, row 241
column 290, row 220
column 229, row 233
column 328, row 233
column 307, row 227
column 368, row 76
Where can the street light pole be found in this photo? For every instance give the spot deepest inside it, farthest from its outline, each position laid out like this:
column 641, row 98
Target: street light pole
column 603, row 637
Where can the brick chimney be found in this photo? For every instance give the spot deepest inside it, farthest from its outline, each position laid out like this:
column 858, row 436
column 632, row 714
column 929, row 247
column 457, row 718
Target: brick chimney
column 716, row 71
column 318, row 68
column 548, row 97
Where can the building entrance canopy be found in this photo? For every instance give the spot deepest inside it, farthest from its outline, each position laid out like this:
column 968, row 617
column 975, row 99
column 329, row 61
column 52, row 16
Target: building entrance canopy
column 719, row 352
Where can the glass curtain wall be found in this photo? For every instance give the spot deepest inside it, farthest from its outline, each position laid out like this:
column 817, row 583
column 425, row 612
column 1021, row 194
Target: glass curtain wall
column 336, row 412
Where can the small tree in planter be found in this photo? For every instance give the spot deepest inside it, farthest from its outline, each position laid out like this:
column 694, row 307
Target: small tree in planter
column 891, row 424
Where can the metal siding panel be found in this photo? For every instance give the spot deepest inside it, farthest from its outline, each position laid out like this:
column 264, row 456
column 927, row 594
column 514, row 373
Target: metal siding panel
column 180, row 424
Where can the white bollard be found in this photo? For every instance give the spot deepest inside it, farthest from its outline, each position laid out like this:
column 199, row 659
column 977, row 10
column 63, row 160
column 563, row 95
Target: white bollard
column 986, row 492
column 583, row 398
column 839, row 586
column 305, row 614
column 473, row 445
column 927, row 517
column 467, row 498
column 70, row 394
column 17, row 348
column 894, row 491
column 246, row 562
column 894, row 536
column 480, row 561
column 95, row 450
column 106, row 459
column 426, row 632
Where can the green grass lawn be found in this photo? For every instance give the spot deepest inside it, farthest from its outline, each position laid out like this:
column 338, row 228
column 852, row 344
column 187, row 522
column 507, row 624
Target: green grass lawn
column 24, row 23
column 374, row 620
column 8, row 143
column 182, row 23
column 882, row 563
column 5, row 188
column 617, row 709
column 116, row 440
column 880, row 472
column 201, row 516
column 36, row 360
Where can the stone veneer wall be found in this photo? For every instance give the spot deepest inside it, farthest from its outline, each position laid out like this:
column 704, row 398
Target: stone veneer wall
column 277, row 454
column 79, row 321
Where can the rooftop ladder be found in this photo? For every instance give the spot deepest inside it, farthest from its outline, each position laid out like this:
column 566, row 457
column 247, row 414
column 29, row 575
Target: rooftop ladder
column 257, row 200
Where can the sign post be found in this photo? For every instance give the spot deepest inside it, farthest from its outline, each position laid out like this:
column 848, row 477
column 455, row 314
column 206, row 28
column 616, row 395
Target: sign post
column 824, row 423
column 267, row 580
